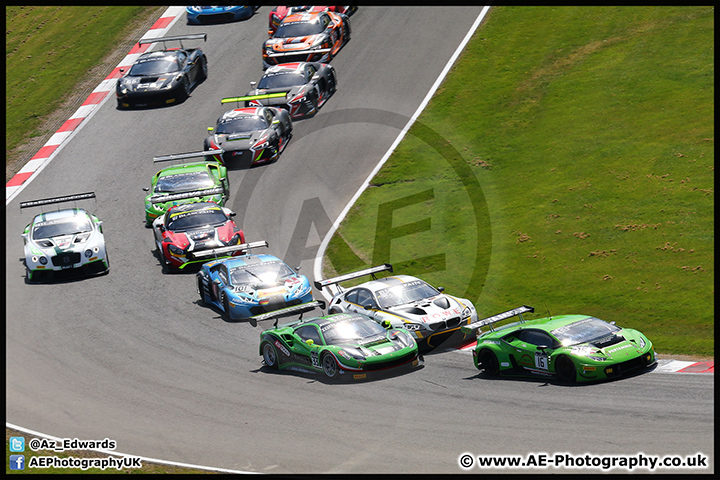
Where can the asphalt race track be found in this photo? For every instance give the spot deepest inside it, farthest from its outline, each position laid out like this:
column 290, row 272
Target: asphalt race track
column 132, row 356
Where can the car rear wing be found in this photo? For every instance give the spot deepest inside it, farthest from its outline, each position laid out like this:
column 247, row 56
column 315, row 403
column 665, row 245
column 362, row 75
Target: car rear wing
column 276, row 314
column 179, row 156
column 296, row 52
column 177, row 38
column 184, row 195
column 49, row 201
column 319, row 284
column 475, row 326
column 222, row 251
column 247, row 98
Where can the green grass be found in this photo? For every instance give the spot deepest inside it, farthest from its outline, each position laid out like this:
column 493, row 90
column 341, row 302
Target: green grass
column 48, row 49
column 586, row 137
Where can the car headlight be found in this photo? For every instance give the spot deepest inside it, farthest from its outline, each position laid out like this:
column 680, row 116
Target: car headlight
column 642, row 343
column 175, row 250
column 597, row 359
column 404, row 338
column 42, row 260
column 260, row 145
column 353, row 352
column 88, row 253
column 235, row 240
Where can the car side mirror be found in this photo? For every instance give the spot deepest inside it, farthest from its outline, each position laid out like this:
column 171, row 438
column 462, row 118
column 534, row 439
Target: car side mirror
column 542, row 347
column 316, row 77
column 146, row 189
column 275, row 122
column 252, row 85
column 270, row 33
column 310, row 342
column 210, row 129
column 232, row 214
column 440, row 289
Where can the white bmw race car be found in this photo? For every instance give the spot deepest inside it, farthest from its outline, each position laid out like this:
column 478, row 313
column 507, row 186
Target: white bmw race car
column 406, row 302
column 64, row 242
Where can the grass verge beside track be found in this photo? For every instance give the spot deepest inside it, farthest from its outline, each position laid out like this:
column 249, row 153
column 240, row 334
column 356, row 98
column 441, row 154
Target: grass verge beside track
column 590, row 134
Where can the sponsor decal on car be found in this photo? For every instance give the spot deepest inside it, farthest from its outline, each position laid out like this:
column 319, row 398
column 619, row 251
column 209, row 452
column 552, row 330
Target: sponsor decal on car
column 282, row 348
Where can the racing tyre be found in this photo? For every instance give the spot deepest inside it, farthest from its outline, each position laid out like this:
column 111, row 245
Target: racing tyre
column 329, row 366
column 270, row 356
column 226, row 307
column 565, row 369
column 202, row 75
column 200, row 290
column 489, row 363
column 185, row 90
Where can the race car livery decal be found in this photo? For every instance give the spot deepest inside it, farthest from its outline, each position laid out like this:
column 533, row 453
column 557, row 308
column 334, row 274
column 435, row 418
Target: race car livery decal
column 282, row 348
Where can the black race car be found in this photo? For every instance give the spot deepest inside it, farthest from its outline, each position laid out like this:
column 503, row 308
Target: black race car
column 163, row 77
column 301, row 88
column 250, row 136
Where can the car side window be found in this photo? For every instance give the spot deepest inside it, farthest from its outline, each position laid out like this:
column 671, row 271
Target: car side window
column 310, row 71
column 223, row 274
column 351, row 296
column 535, row 337
column 365, row 297
column 309, row 332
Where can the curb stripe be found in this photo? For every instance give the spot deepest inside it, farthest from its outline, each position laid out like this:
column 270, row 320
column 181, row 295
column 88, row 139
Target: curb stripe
column 91, row 103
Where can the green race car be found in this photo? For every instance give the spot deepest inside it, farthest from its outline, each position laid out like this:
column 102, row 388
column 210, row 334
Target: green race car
column 570, row 347
column 185, row 183
column 338, row 345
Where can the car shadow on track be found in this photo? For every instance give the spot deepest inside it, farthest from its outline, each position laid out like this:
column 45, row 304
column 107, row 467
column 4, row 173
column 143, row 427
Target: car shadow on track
column 548, row 381
column 345, row 379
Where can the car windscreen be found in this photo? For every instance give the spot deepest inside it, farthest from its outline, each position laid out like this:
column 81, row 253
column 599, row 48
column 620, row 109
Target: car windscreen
column 184, row 182
column 244, row 124
column 159, row 66
column 196, row 218
column 583, row 331
column 261, row 274
column 65, row 226
column 281, row 80
column 352, row 330
column 298, row 29
column 407, row 292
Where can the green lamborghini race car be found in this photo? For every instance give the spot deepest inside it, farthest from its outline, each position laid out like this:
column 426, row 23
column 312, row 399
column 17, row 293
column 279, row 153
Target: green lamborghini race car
column 339, row 345
column 185, row 183
column 569, row 347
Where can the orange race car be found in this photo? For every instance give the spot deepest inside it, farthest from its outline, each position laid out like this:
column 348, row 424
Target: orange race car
column 280, row 12
column 307, row 37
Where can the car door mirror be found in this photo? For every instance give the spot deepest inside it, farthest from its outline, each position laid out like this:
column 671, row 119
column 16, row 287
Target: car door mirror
column 252, row 85
column 146, row 189
column 440, row 289
column 367, row 306
column 316, row 77
column 542, row 347
column 310, row 342
column 210, row 129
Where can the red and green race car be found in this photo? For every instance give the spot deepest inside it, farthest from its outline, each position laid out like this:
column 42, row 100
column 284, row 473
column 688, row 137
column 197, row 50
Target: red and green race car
column 572, row 348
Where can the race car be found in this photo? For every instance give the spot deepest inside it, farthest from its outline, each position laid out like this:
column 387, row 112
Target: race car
column 250, row 136
column 276, row 16
column 301, row 88
column 338, row 345
column 162, row 77
column 251, row 284
column 203, row 14
column 186, row 230
column 186, row 183
column 407, row 302
column 64, row 243
column 568, row 347
column 307, row 37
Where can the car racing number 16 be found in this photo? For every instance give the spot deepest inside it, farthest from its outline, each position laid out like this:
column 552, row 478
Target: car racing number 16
column 541, row 360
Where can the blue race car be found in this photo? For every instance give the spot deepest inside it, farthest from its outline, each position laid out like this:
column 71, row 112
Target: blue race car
column 199, row 15
column 248, row 286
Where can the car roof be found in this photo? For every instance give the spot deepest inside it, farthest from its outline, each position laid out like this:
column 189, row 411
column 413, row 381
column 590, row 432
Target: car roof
column 386, row 282
column 59, row 214
column 546, row 324
column 250, row 259
column 185, row 167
